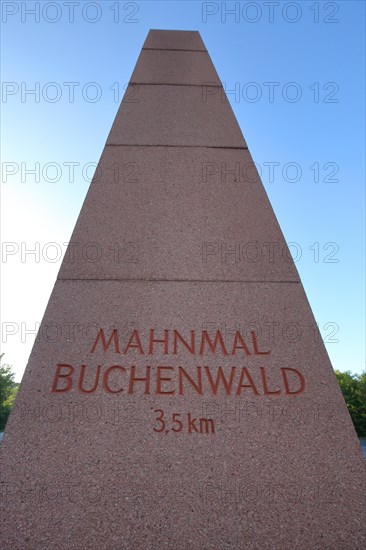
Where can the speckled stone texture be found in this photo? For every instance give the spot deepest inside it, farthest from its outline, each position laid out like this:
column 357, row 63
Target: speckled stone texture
column 177, row 213
column 257, row 450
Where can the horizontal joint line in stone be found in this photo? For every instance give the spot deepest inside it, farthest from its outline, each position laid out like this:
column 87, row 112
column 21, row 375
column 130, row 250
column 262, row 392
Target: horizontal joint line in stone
column 169, row 145
column 133, row 83
column 174, row 50
column 172, row 280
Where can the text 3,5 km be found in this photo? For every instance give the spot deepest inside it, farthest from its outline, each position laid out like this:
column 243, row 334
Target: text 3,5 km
column 182, row 423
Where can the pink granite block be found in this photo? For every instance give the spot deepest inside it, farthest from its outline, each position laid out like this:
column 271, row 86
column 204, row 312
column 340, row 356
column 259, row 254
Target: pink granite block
column 175, row 67
column 93, row 466
column 174, row 40
column 177, row 213
column 175, row 115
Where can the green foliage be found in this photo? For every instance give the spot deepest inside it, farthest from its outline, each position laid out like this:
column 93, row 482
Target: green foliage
column 353, row 387
column 8, row 391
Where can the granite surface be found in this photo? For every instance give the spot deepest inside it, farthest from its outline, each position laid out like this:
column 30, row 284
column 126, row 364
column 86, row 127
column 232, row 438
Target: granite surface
column 175, row 115
column 177, row 213
column 174, row 40
column 176, row 67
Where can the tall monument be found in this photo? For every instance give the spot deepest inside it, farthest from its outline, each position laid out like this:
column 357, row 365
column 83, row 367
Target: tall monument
column 178, row 395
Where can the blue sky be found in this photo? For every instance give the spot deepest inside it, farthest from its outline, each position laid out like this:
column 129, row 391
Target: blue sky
column 312, row 128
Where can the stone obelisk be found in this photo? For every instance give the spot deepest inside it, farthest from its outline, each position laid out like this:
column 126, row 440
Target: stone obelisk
column 178, row 395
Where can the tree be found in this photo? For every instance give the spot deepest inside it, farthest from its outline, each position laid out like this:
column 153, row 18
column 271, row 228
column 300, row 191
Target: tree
column 353, row 387
column 8, row 391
